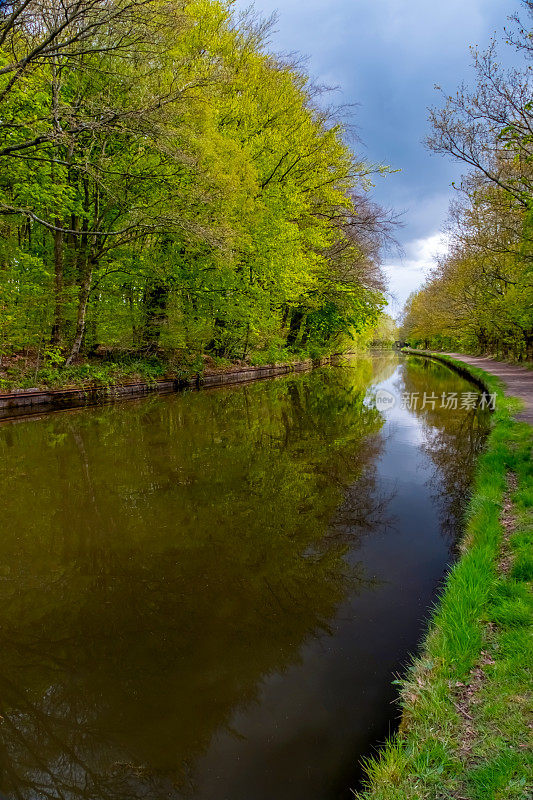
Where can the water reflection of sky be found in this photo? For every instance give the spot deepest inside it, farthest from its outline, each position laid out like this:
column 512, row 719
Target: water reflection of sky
column 210, row 593
column 307, row 722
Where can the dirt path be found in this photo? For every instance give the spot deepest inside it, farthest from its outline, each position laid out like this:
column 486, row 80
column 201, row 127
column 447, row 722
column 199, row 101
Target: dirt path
column 519, row 380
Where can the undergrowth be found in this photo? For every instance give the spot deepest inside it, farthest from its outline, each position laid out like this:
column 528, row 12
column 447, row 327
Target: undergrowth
column 51, row 372
column 118, row 369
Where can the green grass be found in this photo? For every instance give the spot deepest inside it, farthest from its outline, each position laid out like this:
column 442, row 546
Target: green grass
column 86, row 374
column 480, row 640
column 122, row 368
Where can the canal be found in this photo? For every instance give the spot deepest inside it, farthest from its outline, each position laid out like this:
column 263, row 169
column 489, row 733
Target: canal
column 208, row 595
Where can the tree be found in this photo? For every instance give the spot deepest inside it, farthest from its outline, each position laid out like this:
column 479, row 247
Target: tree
column 480, row 296
column 169, row 185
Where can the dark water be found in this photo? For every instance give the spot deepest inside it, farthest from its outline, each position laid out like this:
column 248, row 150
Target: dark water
column 207, row 595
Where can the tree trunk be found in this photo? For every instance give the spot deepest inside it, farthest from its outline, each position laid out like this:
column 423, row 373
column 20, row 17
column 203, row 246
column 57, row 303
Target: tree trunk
column 57, row 328
column 155, row 310
column 294, row 327
column 212, row 347
column 83, row 301
column 246, row 341
column 305, row 333
column 529, row 346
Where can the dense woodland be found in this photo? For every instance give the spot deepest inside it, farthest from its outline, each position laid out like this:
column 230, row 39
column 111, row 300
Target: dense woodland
column 480, row 295
column 169, row 187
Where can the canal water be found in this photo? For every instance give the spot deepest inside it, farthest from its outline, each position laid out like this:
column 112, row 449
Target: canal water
column 208, row 595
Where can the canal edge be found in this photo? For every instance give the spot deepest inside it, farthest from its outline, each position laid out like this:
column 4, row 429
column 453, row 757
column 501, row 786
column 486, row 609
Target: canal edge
column 28, row 402
column 462, row 369
column 446, row 738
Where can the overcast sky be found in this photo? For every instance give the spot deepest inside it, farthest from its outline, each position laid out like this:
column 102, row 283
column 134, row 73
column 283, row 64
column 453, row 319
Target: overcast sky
column 387, row 56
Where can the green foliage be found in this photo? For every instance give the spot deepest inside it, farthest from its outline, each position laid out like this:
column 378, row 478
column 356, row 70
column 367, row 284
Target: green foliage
column 53, row 374
column 219, row 218
column 386, row 333
column 479, row 297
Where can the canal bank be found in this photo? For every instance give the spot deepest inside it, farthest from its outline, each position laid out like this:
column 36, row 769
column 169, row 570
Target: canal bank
column 466, row 701
column 28, row 401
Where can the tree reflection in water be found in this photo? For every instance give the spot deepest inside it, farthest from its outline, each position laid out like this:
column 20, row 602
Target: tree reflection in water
column 159, row 558
column 453, row 439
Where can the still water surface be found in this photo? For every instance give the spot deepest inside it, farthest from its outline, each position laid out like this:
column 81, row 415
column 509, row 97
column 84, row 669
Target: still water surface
column 207, row 595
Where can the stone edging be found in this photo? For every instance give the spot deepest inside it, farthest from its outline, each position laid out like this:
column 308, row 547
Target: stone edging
column 26, row 402
column 461, row 369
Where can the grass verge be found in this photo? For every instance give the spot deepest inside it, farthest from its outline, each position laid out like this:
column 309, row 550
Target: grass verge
column 466, row 731
column 20, row 372
column 53, row 374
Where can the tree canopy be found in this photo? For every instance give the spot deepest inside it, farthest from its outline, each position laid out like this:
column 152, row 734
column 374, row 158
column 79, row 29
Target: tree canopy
column 166, row 183
column 480, row 295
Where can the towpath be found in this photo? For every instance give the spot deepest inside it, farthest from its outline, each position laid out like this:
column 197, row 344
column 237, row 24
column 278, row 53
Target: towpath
column 519, row 380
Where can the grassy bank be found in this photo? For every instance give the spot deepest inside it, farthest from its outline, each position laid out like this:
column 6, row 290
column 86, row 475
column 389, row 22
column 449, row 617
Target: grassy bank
column 113, row 369
column 466, row 729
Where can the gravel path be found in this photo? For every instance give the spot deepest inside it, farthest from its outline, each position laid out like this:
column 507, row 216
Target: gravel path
column 519, row 380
